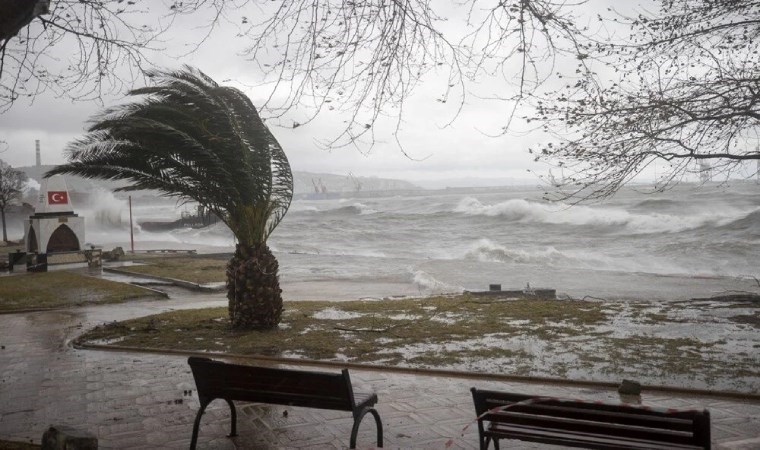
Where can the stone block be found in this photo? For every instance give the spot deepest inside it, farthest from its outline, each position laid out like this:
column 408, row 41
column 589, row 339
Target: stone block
column 59, row 437
column 628, row 387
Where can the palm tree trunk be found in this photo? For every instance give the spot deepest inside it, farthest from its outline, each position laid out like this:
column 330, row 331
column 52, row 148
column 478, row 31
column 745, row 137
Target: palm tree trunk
column 253, row 288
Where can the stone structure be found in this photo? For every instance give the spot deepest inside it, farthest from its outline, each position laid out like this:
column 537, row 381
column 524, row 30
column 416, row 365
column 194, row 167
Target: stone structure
column 629, row 387
column 54, row 227
column 66, row 438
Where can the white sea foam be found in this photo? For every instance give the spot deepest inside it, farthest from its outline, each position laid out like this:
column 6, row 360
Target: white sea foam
column 363, row 209
column 521, row 210
column 426, row 282
column 362, row 252
column 487, row 250
column 217, row 235
column 104, row 210
column 32, row 184
column 301, row 207
column 341, row 207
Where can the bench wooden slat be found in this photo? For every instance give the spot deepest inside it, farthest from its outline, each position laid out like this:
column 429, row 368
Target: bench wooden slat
column 592, row 407
column 627, row 418
column 286, row 380
column 584, row 440
column 290, row 399
column 587, row 424
column 593, row 427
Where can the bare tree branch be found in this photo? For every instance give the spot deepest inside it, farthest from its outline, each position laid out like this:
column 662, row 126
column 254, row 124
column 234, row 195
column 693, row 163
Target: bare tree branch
column 358, row 59
column 686, row 90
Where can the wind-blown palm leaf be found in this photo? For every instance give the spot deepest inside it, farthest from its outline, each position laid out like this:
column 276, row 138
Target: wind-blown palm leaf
column 191, row 138
column 188, row 137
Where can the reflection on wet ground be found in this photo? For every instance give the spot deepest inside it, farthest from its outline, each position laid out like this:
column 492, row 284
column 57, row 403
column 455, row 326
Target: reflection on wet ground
column 132, row 400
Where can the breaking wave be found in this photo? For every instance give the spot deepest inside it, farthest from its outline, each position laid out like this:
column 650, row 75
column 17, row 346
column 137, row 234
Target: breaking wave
column 488, row 251
column 750, row 222
column 300, row 207
column 426, row 282
column 356, row 208
column 525, row 211
column 658, row 204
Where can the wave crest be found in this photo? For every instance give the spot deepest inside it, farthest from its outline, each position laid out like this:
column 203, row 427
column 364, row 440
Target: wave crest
column 432, row 285
column 487, row 251
column 356, row 208
column 525, row 211
column 750, row 222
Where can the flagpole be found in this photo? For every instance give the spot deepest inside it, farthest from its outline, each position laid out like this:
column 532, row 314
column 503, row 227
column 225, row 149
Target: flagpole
column 131, row 228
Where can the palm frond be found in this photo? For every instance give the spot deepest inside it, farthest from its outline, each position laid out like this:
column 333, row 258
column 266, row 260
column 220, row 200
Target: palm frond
column 190, row 138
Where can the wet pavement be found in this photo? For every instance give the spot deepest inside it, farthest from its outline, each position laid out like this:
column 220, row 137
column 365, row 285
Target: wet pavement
column 135, row 400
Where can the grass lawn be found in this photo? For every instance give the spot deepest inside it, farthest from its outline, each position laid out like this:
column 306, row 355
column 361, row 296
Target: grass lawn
column 196, row 270
column 11, row 247
column 569, row 339
column 61, row 289
column 12, row 445
column 319, row 330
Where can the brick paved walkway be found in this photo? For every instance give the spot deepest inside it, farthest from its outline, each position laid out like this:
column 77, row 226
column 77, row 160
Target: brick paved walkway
column 138, row 401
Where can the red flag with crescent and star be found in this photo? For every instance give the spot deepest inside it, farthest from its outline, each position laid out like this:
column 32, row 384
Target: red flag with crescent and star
column 58, row 197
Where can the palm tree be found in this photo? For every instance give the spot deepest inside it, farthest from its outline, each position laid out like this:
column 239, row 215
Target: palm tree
column 190, row 138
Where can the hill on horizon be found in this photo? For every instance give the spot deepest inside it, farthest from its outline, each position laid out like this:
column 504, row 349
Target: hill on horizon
column 303, row 182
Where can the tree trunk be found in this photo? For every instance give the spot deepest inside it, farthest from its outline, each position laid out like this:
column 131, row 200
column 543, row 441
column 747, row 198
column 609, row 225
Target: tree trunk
column 5, row 232
column 18, row 13
column 253, row 288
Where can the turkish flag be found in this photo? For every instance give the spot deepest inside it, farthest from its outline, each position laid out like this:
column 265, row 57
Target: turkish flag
column 58, row 197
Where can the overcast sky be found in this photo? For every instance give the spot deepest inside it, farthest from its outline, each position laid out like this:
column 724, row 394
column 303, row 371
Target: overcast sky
column 461, row 150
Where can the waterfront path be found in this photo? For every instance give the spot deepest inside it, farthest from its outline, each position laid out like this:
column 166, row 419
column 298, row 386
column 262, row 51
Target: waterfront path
column 135, row 400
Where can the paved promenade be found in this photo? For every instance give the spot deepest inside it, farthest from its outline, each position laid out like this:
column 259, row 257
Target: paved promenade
column 141, row 401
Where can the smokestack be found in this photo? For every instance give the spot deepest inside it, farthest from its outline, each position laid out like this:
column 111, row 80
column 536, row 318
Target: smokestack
column 37, row 146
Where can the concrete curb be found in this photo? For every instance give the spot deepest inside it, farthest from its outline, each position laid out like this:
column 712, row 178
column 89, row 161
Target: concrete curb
column 161, row 294
column 173, row 281
column 426, row 372
column 34, row 310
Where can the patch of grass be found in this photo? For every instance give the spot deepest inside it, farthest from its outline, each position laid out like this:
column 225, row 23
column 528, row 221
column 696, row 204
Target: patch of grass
column 62, row 289
column 195, row 270
column 749, row 319
column 309, row 330
column 462, row 356
column 13, row 445
column 673, row 355
column 11, row 247
column 652, row 318
column 523, row 337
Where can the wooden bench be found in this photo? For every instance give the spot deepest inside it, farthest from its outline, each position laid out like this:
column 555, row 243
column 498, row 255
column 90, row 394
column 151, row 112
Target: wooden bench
column 229, row 382
column 576, row 423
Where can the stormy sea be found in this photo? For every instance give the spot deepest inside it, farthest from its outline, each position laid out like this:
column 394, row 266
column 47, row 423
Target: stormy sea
column 690, row 241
